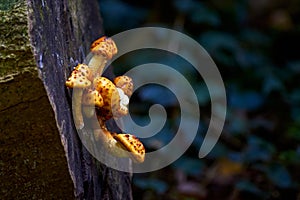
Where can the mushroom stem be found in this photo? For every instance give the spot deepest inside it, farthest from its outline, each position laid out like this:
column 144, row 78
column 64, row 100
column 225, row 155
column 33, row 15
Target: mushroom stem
column 79, row 80
column 97, row 64
column 110, row 143
column 102, row 50
column 90, row 100
column 89, row 111
column 78, row 118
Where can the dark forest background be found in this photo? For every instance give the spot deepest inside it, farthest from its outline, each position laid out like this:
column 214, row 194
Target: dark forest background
column 255, row 45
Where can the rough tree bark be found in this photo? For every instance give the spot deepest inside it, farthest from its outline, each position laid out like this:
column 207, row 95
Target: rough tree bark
column 60, row 34
column 30, row 150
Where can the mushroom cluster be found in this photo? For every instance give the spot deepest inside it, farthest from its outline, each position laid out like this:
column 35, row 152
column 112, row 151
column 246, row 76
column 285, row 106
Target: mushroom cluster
column 94, row 94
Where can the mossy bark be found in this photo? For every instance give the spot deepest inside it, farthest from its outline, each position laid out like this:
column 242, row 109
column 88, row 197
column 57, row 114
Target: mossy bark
column 60, row 34
column 32, row 159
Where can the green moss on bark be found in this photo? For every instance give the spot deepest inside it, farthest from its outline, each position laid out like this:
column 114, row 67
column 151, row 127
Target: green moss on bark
column 15, row 50
column 32, row 159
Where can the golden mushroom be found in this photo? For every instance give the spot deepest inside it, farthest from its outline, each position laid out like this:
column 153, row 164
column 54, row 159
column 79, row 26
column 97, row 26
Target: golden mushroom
column 79, row 80
column 121, row 145
column 111, row 99
column 125, row 83
column 102, row 50
column 114, row 100
column 133, row 145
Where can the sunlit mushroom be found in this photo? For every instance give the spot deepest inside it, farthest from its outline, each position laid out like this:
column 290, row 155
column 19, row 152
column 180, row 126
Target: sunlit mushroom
column 125, row 83
column 114, row 101
column 133, row 145
column 121, row 145
column 102, row 50
column 78, row 80
column 111, row 99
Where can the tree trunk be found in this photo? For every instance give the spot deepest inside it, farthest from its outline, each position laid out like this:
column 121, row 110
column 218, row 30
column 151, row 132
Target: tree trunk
column 60, row 34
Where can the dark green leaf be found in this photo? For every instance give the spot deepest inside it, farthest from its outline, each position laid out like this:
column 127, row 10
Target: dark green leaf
column 245, row 185
column 279, row 175
column 258, row 150
column 119, row 15
column 158, row 94
column 272, row 83
column 290, row 157
column 248, row 100
column 157, row 185
column 219, row 151
column 189, row 166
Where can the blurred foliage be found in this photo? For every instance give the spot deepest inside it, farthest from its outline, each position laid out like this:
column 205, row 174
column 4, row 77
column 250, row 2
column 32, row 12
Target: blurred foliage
column 7, row 4
column 255, row 45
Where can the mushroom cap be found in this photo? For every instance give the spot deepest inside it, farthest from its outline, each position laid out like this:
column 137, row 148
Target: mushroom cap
column 133, row 145
column 92, row 97
column 79, row 77
column 125, row 83
column 85, row 70
column 104, row 46
column 110, row 95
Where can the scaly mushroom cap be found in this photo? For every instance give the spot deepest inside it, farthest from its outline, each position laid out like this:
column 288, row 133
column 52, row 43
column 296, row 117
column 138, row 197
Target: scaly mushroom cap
column 110, row 95
column 125, row 83
column 92, row 97
column 79, row 77
column 133, row 145
column 104, row 46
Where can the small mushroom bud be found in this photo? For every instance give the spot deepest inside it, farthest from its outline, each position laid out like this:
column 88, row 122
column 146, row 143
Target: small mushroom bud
column 103, row 50
column 91, row 99
column 78, row 80
column 125, row 83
